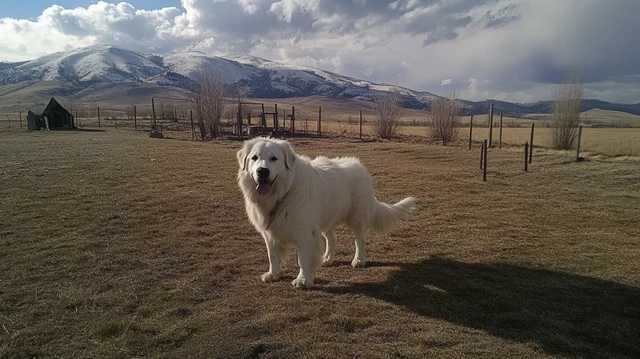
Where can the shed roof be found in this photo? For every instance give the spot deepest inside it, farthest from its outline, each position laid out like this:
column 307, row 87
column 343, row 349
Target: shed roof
column 54, row 105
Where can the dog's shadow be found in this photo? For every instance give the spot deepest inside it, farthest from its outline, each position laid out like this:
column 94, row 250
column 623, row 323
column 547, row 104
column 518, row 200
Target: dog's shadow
column 564, row 314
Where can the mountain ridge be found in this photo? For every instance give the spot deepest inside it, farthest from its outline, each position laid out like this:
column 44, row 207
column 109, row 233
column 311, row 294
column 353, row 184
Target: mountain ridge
column 80, row 68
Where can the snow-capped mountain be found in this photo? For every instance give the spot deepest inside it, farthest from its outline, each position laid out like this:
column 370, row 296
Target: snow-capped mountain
column 260, row 77
column 79, row 69
column 84, row 66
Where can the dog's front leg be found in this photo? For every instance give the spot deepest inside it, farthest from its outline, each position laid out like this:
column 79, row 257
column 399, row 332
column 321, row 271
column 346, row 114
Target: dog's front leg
column 309, row 255
column 274, row 261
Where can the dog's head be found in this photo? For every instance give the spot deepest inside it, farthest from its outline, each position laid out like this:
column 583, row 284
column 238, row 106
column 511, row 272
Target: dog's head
column 266, row 162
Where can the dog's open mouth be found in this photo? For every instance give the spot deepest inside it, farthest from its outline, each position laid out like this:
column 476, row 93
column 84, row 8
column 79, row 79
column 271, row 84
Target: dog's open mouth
column 264, row 187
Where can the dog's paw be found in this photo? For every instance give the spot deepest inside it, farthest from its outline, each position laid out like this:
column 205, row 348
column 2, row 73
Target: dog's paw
column 269, row 277
column 357, row 263
column 302, row 283
column 327, row 261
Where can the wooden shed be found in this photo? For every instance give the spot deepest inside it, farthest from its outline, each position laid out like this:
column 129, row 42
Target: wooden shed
column 56, row 117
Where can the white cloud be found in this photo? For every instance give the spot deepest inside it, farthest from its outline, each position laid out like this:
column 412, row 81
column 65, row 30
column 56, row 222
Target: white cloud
column 250, row 6
column 285, row 9
column 502, row 49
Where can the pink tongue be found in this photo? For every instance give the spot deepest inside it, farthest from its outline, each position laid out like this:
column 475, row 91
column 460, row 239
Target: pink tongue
column 263, row 188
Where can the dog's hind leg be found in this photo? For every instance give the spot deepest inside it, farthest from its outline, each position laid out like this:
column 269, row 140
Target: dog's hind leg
column 309, row 252
column 274, row 251
column 360, row 257
column 330, row 251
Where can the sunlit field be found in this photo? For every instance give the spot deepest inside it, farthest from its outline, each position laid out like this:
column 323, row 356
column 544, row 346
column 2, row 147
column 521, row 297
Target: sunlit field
column 605, row 141
column 117, row 245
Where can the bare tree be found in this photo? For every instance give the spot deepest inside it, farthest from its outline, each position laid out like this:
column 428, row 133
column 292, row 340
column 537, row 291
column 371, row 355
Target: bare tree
column 207, row 98
column 445, row 118
column 566, row 113
column 387, row 110
column 240, row 96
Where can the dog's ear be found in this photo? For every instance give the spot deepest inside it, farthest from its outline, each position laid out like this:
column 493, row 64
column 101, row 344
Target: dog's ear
column 243, row 156
column 289, row 155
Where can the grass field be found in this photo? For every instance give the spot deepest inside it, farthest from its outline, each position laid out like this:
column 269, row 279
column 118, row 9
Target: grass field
column 614, row 142
column 115, row 245
column 599, row 117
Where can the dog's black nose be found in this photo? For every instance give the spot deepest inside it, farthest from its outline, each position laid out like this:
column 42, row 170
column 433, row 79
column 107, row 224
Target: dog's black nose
column 263, row 172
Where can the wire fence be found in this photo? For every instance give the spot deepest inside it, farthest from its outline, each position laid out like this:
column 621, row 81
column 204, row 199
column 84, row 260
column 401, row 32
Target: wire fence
column 175, row 118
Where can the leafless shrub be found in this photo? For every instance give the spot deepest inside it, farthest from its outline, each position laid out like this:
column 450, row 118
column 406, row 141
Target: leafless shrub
column 231, row 111
column 445, row 118
column 387, row 110
column 566, row 114
column 207, row 98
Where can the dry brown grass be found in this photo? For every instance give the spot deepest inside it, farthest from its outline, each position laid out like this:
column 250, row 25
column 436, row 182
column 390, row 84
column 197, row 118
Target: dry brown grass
column 598, row 117
column 612, row 142
column 115, row 245
column 606, row 141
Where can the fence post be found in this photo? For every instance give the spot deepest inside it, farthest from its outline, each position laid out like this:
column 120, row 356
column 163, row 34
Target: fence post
column 21, row 118
column 482, row 154
column 275, row 121
column 526, row 153
column 531, row 143
column 484, row 167
column 500, row 145
column 9, row 120
column 153, row 110
column 470, row 130
column 578, row 145
column 360, row 124
column 319, row 120
column 239, row 120
column 75, row 118
column 293, row 119
column 135, row 120
column 490, row 124
column 193, row 130
column 98, row 116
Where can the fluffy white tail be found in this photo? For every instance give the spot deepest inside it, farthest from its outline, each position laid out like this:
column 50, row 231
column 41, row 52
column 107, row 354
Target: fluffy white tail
column 386, row 217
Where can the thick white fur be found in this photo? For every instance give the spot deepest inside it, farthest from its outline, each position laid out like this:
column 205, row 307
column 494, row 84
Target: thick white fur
column 308, row 199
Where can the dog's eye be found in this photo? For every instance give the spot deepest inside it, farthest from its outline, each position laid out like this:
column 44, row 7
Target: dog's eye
column 254, row 158
column 274, row 158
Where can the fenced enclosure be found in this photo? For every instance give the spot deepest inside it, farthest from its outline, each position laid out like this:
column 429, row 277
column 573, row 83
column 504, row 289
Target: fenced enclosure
column 175, row 118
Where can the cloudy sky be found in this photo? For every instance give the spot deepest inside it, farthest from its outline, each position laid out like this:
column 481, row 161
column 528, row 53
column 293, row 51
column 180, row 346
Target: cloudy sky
column 514, row 50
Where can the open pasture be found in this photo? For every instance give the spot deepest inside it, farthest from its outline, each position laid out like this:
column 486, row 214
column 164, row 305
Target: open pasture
column 612, row 142
column 115, row 245
column 599, row 117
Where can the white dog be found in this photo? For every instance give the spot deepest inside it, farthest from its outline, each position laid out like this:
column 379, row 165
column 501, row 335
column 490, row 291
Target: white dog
column 290, row 198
